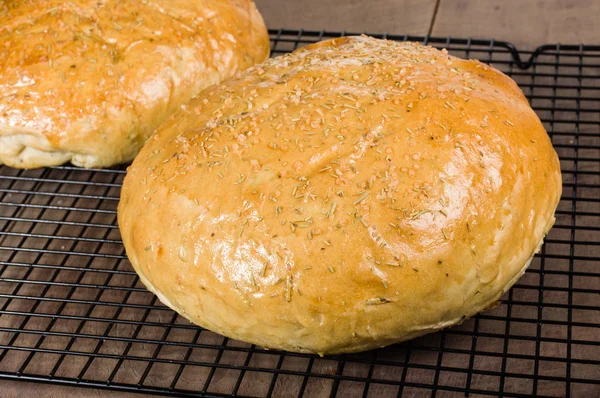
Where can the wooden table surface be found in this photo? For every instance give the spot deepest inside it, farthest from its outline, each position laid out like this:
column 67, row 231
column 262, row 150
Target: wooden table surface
column 527, row 24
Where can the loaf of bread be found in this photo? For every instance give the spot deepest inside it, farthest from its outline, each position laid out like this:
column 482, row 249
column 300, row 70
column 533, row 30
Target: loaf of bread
column 88, row 81
column 350, row 195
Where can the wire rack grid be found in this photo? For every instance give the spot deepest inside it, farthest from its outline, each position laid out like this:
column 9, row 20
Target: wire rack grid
column 73, row 312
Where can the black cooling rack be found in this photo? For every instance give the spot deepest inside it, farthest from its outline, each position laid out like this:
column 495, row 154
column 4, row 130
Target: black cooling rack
column 73, row 312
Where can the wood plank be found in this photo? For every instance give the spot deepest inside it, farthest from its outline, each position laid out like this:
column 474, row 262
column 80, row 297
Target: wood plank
column 526, row 24
column 380, row 16
column 14, row 388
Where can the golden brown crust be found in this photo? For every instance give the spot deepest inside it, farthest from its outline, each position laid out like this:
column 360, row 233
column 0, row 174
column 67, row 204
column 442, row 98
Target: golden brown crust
column 353, row 194
column 88, row 81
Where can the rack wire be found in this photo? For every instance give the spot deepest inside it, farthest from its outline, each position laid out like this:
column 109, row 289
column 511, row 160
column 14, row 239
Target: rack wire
column 73, row 312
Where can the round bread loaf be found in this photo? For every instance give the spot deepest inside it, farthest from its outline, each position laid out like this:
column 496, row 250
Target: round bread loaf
column 88, row 81
column 350, row 195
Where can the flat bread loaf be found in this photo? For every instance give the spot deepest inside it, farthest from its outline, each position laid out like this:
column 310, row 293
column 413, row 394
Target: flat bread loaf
column 350, row 195
column 88, row 81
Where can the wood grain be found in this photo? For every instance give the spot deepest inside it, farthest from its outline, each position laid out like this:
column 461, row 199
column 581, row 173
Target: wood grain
column 375, row 16
column 526, row 24
column 15, row 389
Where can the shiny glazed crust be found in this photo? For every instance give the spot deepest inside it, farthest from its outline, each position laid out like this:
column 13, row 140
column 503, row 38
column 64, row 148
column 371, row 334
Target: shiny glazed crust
column 88, row 81
column 350, row 195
